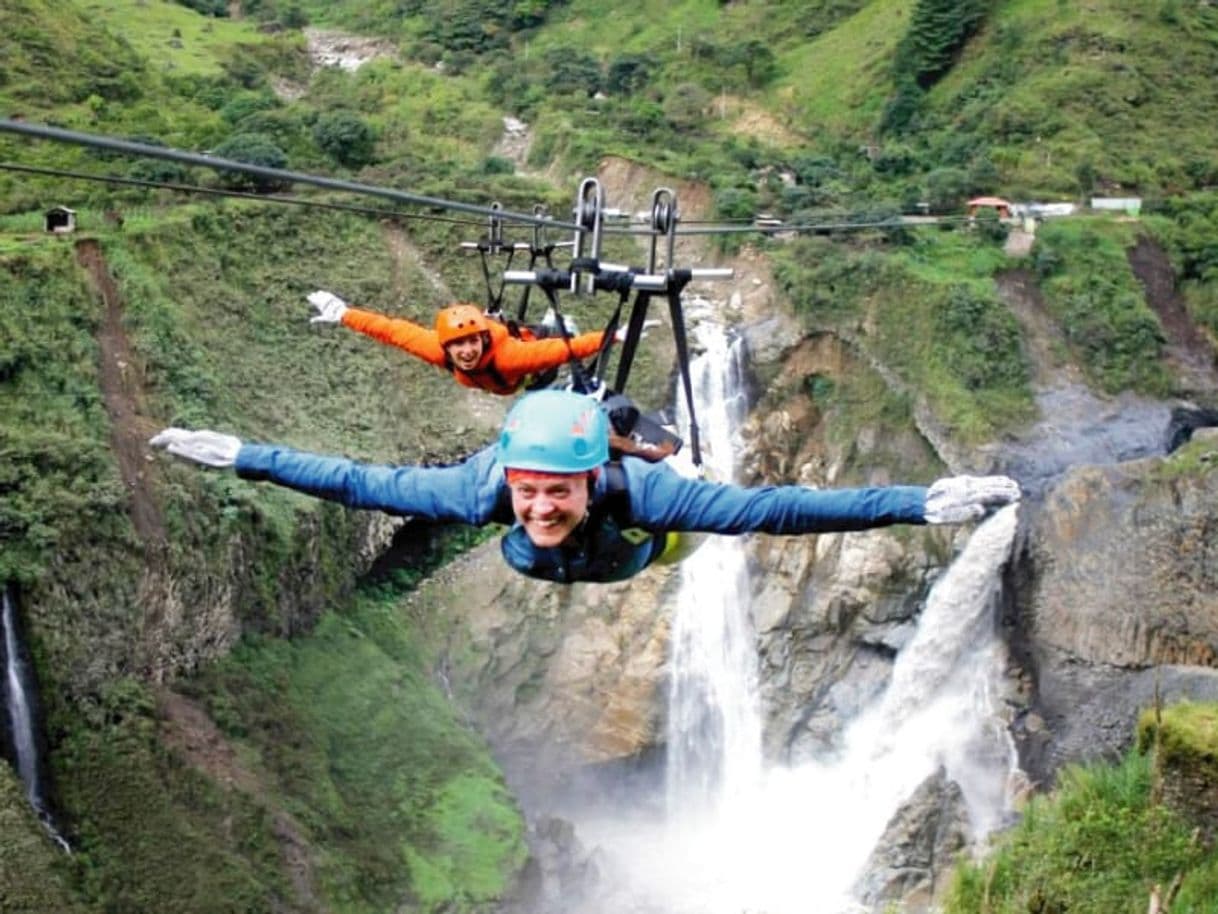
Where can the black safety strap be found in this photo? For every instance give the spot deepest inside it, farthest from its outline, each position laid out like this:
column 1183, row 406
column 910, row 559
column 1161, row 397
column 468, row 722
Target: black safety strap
column 617, row 491
column 534, row 252
column 678, row 280
column 601, row 362
column 494, row 296
column 581, row 381
column 630, row 345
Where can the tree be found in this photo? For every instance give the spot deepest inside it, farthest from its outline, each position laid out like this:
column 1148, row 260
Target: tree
column 937, row 31
column 686, row 105
column 627, row 74
column 946, row 189
column 572, row 71
column 253, row 149
column 345, row 137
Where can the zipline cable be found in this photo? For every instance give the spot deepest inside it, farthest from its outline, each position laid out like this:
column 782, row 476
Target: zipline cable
column 129, row 147
column 219, row 192
column 57, row 134
column 708, row 228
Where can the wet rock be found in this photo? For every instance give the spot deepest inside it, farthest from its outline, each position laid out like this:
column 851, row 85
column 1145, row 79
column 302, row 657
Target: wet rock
column 918, row 849
column 1119, row 576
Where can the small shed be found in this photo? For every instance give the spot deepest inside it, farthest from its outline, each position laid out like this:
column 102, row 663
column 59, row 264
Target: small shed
column 1001, row 206
column 1130, row 206
column 60, row 220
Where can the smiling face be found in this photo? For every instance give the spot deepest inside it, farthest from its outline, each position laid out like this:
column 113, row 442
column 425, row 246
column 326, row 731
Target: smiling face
column 549, row 505
column 466, row 351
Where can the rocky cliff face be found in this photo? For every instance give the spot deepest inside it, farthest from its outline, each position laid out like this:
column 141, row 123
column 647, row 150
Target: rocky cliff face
column 1117, row 596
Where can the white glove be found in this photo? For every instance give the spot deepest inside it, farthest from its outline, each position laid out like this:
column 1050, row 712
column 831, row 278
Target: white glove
column 330, row 308
column 957, row 499
column 211, row 448
column 549, row 320
column 619, row 335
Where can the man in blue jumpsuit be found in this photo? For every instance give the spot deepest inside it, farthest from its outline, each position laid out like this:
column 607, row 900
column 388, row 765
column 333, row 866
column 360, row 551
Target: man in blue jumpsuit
column 574, row 515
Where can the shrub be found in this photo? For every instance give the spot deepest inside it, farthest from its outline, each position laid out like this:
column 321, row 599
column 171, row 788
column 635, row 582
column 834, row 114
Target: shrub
column 497, row 165
column 346, row 138
column 628, row 73
column 253, row 149
column 1094, row 847
column 244, row 104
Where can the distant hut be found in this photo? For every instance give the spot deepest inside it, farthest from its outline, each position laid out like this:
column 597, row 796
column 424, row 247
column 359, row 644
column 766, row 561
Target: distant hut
column 999, row 205
column 60, row 220
column 1130, row 206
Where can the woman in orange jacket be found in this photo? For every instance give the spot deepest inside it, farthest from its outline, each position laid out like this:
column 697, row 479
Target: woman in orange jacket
column 477, row 350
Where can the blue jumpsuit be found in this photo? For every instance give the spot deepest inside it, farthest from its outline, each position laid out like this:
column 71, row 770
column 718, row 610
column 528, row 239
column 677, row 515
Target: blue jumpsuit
column 629, row 512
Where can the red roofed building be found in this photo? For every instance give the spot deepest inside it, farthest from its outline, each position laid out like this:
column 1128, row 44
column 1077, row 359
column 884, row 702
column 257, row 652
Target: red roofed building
column 997, row 203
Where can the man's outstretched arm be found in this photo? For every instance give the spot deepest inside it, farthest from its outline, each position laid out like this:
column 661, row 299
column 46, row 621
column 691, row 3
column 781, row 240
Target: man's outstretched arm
column 661, row 499
column 466, row 492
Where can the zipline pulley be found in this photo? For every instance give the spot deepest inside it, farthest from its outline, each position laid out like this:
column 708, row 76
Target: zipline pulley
column 586, row 250
column 664, row 218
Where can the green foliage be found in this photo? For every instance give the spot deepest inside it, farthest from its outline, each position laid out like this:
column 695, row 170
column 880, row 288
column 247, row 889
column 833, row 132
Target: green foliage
column 345, row 137
column 39, row 36
column 628, row 73
column 937, row 321
column 404, row 801
column 241, row 105
column 937, row 30
column 151, row 833
column 33, row 877
column 252, row 149
column 1090, row 288
column 572, row 71
column 56, row 471
column 1188, row 228
column 990, row 226
column 1185, row 735
column 206, row 7
column 1095, row 846
column 977, row 327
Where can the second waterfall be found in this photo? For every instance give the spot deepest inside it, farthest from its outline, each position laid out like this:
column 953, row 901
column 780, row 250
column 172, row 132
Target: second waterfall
column 737, row 835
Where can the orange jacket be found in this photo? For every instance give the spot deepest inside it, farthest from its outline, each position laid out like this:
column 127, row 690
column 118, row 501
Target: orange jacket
column 506, row 364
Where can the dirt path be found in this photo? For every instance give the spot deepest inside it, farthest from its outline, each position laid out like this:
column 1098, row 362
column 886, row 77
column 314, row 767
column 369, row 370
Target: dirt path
column 188, row 732
column 1075, row 426
column 404, row 254
column 1043, row 340
column 1188, row 351
column 121, row 377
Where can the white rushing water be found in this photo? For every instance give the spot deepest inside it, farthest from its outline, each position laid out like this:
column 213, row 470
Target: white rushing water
column 738, row 837
column 18, row 685
column 18, row 705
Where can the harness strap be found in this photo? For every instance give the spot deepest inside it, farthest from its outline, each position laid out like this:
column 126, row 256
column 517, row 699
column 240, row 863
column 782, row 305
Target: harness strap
column 602, row 356
column 582, row 382
column 678, row 280
column 634, row 333
column 494, row 296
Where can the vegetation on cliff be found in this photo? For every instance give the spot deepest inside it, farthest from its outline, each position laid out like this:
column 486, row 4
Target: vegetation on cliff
column 1105, row 838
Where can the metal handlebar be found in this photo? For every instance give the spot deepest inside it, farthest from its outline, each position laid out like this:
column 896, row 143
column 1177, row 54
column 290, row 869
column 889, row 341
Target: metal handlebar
column 649, row 282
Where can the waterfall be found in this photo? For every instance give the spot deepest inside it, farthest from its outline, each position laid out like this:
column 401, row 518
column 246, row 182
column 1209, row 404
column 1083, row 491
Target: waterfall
column 737, row 836
column 714, row 725
column 19, row 705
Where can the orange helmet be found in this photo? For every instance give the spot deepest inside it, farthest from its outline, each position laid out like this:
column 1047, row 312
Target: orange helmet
column 457, row 321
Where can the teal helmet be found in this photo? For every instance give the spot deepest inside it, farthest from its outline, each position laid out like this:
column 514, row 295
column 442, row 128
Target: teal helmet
column 554, row 431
